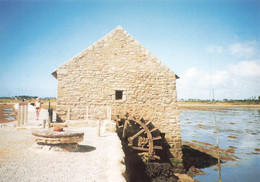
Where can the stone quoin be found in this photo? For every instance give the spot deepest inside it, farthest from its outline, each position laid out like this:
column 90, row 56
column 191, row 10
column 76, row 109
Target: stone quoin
column 119, row 73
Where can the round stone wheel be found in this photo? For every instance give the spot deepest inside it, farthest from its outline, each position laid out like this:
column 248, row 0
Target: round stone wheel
column 48, row 136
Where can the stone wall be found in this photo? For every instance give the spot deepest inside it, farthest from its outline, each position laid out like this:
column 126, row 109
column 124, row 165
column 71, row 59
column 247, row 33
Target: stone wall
column 117, row 62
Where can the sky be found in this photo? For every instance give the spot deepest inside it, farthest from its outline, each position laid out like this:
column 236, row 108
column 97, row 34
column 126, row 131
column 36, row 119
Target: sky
column 210, row 45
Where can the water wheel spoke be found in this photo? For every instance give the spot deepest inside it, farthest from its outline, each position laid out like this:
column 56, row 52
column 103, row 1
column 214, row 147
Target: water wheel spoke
column 157, row 138
column 140, row 148
column 156, row 157
column 154, row 129
column 158, row 147
column 136, row 135
column 150, row 144
column 125, row 126
column 148, row 122
column 143, row 153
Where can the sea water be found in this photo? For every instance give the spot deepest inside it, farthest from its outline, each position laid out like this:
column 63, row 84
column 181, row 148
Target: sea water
column 238, row 127
column 7, row 112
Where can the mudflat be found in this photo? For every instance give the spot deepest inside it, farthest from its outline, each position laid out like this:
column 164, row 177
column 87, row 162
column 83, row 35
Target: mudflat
column 218, row 104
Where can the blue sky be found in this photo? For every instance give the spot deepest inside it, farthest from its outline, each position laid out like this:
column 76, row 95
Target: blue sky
column 209, row 44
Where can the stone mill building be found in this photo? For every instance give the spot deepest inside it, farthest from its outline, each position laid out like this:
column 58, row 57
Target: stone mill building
column 118, row 73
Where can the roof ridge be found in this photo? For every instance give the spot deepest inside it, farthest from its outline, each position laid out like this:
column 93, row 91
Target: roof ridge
column 119, row 28
column 109, row 35
column 91, row 47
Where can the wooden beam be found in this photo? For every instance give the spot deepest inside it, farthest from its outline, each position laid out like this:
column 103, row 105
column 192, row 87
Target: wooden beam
column 157, row 138
column 158, row 147
column 143, row 153
column 136, row 135
column 154, row 129
column 156, row 157
column 148, row 122
column 140, row 148
column 125, row 126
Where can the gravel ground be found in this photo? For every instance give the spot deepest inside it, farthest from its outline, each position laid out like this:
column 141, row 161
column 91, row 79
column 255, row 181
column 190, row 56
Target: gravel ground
column 100, row 158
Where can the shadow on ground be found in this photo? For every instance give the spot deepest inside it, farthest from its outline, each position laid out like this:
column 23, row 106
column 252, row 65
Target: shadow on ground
column 192, row 157
column 86, row 148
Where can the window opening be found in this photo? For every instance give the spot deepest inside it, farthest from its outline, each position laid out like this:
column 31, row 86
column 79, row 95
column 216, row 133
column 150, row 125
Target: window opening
column 119, row 94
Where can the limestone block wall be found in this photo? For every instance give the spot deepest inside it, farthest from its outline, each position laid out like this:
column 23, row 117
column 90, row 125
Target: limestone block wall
column 88, row 83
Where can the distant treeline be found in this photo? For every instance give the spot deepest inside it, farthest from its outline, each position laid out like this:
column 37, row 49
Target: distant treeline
column 246, row 101
column 252, row 100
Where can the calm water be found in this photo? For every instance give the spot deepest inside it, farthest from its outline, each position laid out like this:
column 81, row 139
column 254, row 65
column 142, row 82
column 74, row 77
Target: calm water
column 238, row 127
column 7, row 113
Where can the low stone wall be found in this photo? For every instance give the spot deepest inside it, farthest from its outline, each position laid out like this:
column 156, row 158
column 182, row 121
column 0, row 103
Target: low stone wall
column 102, row 125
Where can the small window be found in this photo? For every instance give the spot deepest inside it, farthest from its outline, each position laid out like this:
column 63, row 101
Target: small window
column 119, row 94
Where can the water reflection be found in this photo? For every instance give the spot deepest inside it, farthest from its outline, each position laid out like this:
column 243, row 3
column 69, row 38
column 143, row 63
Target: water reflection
column 258, row 111
column 238, row 128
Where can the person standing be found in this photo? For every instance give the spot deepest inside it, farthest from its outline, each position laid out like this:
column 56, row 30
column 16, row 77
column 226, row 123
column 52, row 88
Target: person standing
column 37, row 108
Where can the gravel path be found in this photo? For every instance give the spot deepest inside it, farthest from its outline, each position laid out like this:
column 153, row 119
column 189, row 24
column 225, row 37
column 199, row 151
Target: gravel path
column 101, row 159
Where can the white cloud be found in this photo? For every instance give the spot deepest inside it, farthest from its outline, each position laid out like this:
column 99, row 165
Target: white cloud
column 215, row 49
column 239, row 81
column 245, row 69
column 244, row 50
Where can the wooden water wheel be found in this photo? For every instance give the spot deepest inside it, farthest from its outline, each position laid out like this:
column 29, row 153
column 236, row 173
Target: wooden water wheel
column 138, row 133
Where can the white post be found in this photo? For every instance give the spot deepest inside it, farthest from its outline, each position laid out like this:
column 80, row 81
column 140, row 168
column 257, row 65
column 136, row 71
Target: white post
column 54, row 116
column 22, row 114
column 26, row 114
column 108, row 112
column 48, row 124
column 19, row 115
